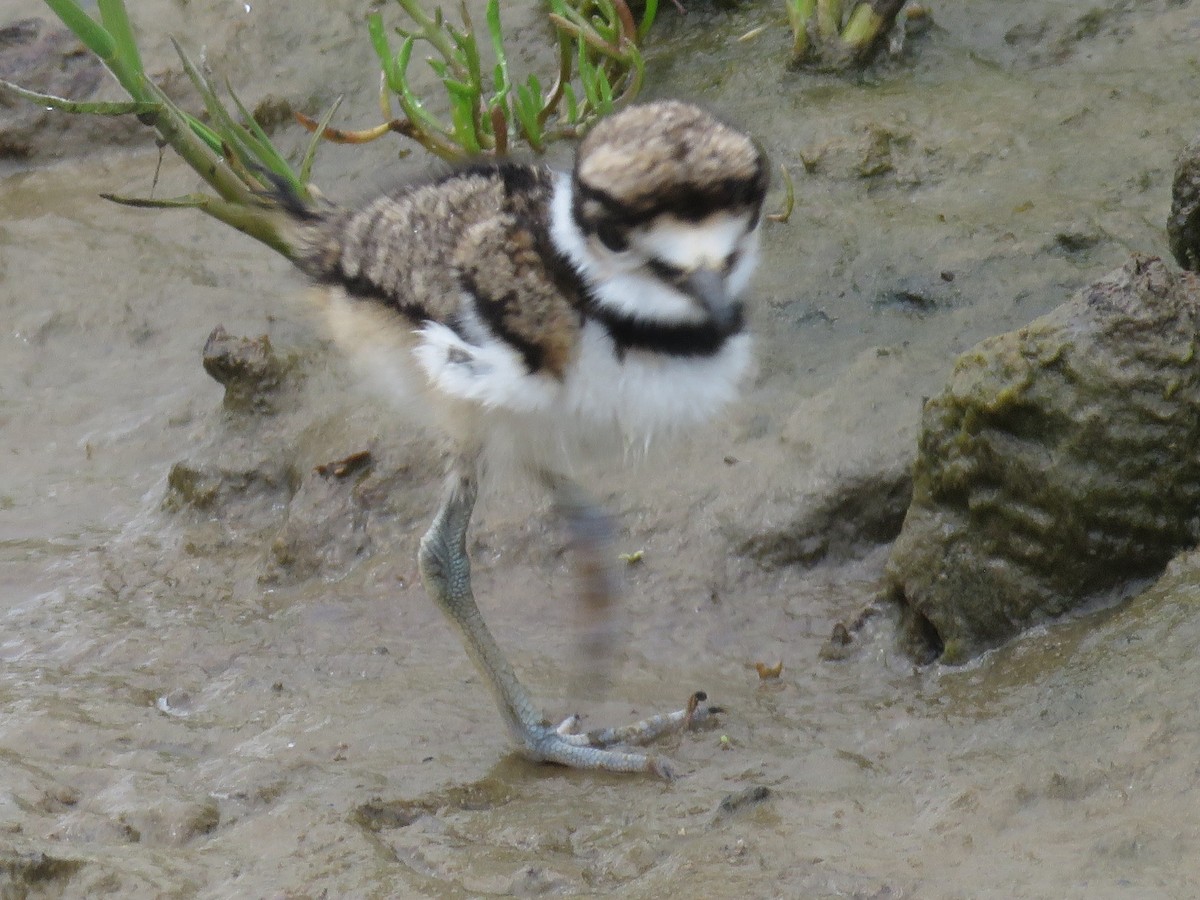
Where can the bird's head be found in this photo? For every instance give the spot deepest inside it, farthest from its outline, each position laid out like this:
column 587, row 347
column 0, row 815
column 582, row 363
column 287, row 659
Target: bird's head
column 663, row 193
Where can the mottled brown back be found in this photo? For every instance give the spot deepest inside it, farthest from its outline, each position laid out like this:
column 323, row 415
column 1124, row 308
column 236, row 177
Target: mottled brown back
column 481, row 233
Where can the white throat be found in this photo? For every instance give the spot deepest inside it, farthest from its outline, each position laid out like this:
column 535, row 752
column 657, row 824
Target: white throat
column 630, row 291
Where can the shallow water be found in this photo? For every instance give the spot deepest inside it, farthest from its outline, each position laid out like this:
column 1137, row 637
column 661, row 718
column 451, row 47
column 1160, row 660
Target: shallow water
column 180, row 715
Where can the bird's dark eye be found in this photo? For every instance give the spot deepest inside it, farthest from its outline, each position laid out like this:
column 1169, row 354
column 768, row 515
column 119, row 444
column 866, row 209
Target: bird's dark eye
column 664, row 271
column 612, row 238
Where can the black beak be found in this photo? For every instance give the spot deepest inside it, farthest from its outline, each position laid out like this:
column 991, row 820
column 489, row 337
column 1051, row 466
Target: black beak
column 707, row 287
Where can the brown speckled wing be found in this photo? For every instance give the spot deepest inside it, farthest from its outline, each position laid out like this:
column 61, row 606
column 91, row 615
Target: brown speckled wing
column 504, row 275
column 477, row 236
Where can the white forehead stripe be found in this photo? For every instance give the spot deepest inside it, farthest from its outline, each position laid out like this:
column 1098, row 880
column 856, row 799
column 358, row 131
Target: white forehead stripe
column 689, row 245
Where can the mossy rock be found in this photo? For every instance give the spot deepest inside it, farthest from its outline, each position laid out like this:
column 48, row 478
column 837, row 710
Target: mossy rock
column 1060, row 465
column 1183, row 225
column 252, row 372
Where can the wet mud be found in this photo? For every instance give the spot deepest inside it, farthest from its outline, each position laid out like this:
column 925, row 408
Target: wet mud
column 219, row 675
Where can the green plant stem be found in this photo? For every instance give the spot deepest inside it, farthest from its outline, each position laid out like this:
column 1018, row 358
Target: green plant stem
column 597, row 50
column 261, row 221
column 91, row 108
column 115, row 21
column 799, row 13
column 432, row 29
column 829, row 18
column 863, row 27
column 237, row 161
column 168, row 120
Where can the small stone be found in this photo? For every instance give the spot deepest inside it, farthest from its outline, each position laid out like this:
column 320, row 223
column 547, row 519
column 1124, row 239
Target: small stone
column 249, row 369
column 739, row 801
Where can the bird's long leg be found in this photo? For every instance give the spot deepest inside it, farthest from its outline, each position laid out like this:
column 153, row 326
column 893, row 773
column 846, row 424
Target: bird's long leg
column 591, row 535
column 590, row 531
column 446, row 571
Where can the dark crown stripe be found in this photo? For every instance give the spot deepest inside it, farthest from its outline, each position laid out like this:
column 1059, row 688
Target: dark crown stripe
column 690, row 202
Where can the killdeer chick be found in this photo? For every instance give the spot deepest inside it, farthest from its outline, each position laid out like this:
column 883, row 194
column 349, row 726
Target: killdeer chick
column 539, row 314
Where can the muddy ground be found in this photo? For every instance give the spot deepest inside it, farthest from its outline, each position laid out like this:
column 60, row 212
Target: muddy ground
column 236, row 692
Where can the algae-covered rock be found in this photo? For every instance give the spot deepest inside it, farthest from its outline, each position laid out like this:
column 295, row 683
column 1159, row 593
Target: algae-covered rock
column 49, row 59
column 35, row 874
column 1183, row 225
column 1060, row 464
column 252, row 372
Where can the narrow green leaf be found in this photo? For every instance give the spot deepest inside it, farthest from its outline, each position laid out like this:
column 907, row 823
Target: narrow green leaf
column 635, row 75
column 387, row 62
column 230, row 134
column 413, row 108
column 469, row 65
column 799, row 13
column 497, row 34
column 503, row 83
column 113, row 108
column 527, row 104
column 648, row 16
column 523, row 101
column 202, row 131
column 605, row 107
column 200, row 147
column 266, row 151
column 245, row 152
column 116, row 22
column 310, row 152
column 186, row 201
column 379, row 39
column 607, row 24
column 587, row 77
column 462, row 114
column 87, row 29
column 572, row 105
column 459, row 89
column 183, row 119
column 583, row 63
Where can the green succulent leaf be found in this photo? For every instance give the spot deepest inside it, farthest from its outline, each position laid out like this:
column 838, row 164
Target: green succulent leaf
column 648, row 16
